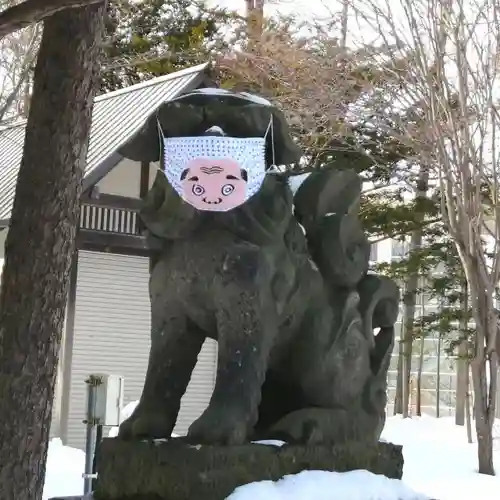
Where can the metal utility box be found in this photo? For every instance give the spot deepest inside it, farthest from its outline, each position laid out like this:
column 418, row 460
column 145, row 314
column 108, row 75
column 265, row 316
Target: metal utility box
column 109, row 399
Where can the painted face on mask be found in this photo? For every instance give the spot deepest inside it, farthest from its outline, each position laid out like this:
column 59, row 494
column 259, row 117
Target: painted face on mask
column 215, row 172
column 214, row 184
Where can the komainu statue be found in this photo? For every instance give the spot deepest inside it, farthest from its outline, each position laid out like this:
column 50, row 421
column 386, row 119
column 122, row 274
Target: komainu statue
column 281, row 281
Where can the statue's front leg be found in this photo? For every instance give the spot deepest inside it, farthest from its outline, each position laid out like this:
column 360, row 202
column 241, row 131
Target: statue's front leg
column 246, row 325
column 175, row 345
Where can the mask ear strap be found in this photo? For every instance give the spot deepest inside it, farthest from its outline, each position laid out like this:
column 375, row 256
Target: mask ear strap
column 270, row 128
column 161, row 139
column 161, row 136
column 273, row 169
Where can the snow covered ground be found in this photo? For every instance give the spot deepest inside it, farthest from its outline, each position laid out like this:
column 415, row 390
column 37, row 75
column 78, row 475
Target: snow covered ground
column 321, row 485
column 65, row 467
column 439, row 464
column 439, row 461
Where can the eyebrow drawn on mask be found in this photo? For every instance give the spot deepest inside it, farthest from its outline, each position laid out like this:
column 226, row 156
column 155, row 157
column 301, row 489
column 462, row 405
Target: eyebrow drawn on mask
column 212, row 170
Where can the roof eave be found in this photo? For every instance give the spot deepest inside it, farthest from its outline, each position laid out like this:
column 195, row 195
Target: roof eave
column 108, row 163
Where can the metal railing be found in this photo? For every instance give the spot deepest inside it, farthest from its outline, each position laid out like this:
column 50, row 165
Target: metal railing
column 110, row 220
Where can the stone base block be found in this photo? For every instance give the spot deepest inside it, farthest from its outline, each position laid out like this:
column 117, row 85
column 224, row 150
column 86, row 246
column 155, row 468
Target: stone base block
column 174, row 470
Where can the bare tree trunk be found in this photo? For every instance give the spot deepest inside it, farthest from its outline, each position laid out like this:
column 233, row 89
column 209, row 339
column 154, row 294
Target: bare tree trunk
column 344, row 23
column 40, row 244
column 420, row 362
column 484, row 428
column 419, row 379
column 411, row 396
column 255, row 21
column 484, row 368
column 468, row 416
column 462, row 362
column 410, row 298
column 438, row 377
column 406, row 346
column 398, row 400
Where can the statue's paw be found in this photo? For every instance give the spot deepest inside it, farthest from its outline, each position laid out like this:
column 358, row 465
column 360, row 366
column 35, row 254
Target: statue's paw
column 224, row 427
column 146, row 425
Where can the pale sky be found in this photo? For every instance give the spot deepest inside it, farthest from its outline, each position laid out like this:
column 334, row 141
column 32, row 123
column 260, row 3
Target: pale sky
column 313, row 10
column 315, row 7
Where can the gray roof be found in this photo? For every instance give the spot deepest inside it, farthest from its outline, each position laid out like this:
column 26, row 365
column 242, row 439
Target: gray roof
column 116, row 118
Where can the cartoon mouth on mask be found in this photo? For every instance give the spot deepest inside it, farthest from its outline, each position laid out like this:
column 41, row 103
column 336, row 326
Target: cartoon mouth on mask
column 220, row 183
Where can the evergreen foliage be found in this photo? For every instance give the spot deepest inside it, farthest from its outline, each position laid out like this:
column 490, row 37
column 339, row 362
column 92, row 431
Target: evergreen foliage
column 155, row 37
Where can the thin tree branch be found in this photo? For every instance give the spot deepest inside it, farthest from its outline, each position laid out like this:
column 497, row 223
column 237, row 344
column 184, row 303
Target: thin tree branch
column 396, row 234
column 11, row 98
column 26, row 68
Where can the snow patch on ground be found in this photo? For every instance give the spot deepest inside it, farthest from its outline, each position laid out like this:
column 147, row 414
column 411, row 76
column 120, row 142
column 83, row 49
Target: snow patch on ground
column 438, row 459
column 321, row 485
column 65, row 467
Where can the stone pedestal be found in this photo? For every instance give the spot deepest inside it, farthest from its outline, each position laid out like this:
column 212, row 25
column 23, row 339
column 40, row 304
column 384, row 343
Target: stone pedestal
column 174, row 470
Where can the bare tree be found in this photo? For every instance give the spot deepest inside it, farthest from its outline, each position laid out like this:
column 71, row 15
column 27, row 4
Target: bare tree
column 317, row 82
column 450, row 82
column 18, row 50
column 17, row 59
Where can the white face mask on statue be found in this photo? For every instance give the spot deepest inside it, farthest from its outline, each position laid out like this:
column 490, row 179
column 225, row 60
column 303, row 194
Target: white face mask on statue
column 214, row 172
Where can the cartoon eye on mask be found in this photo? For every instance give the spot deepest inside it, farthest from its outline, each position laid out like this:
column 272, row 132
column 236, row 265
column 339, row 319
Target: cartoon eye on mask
column 198, row 190
column 227, row 189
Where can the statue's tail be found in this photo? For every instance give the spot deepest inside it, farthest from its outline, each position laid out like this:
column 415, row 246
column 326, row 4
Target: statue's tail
column 379, row 307
column 378, row 304
column 380, row 359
